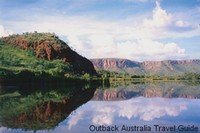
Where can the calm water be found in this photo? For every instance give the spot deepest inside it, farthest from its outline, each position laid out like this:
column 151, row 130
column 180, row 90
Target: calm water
column 132, row 108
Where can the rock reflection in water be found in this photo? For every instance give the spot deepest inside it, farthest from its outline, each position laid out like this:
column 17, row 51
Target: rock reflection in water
column 49, row 114
column 167, row 90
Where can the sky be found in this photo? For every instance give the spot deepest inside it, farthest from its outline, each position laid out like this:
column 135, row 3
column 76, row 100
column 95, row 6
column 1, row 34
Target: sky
column 138, row 30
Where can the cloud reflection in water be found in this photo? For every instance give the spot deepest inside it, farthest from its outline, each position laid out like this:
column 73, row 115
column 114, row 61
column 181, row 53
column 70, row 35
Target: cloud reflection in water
column 144, row 109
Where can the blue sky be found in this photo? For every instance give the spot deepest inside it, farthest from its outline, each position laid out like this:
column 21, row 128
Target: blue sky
column 134, row 29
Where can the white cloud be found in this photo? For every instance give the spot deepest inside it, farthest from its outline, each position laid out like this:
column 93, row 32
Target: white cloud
column 74, row 119
column 160, row 18
column 145, row 109
column 149, row 49
column 103, row 116
column 3, row 129
column 163, row 24
column 180, row 23
column 151, row 109
column 4, row 32
column 136, row 40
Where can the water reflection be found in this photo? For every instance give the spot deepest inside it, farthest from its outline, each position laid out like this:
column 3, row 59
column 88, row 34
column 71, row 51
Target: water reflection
column 73, row 109
column 144, row 109
column 137, row 111
column 39, row 110
column 166, row 90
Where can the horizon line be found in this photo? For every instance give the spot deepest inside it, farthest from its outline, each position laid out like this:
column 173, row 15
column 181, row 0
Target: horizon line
column 147, row 60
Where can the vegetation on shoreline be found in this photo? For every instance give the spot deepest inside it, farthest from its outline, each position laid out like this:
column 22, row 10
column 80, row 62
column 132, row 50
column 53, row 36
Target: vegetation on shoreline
column 120, row 77
column 40, row 56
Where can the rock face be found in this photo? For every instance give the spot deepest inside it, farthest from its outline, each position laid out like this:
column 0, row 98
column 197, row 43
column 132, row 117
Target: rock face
column 114, row 63
column 169, row 67
column 48, row 46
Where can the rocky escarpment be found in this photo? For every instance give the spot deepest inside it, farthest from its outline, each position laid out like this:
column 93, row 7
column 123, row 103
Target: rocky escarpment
column 168, row 67
column 114, row 63
column 49, row 47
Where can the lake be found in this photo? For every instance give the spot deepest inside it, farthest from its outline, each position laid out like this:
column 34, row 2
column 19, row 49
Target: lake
column 150, row 107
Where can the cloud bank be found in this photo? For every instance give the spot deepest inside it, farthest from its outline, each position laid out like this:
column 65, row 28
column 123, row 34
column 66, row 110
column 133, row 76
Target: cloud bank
column 144, row 109
column 4, row 32
column 136, row 38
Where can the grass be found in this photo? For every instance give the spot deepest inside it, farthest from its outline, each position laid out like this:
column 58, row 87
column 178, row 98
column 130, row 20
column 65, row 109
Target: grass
column 15, row 60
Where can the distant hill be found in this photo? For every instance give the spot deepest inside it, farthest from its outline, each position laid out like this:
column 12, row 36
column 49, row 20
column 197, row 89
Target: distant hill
column 40, row 53
column 167, row 67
